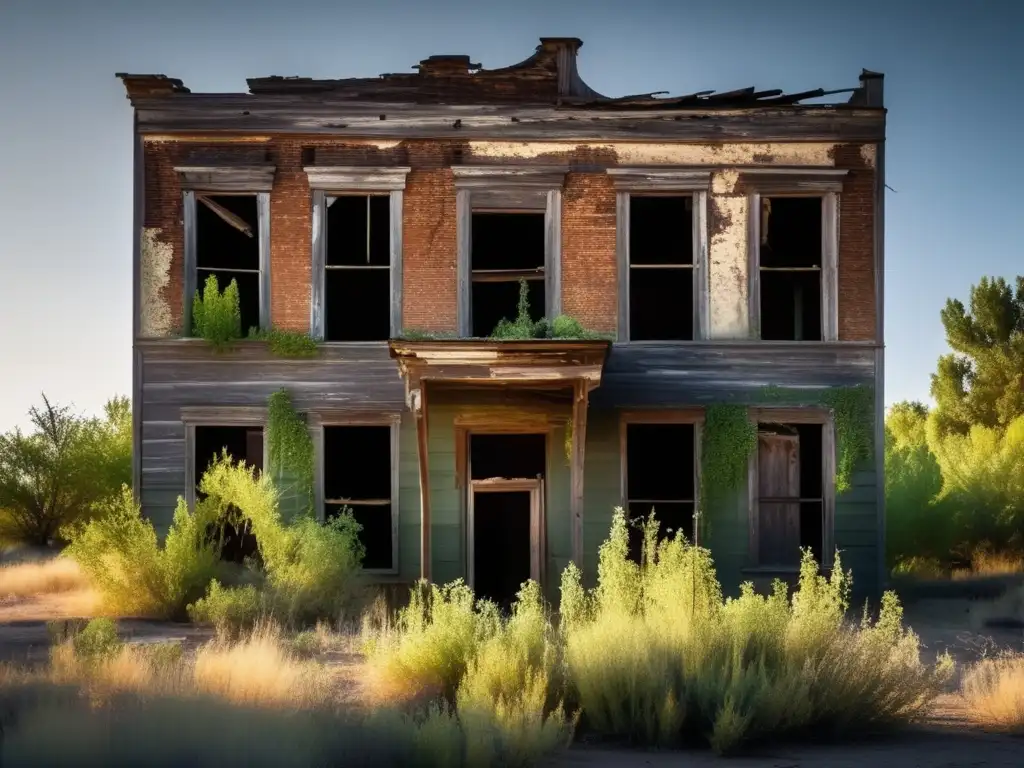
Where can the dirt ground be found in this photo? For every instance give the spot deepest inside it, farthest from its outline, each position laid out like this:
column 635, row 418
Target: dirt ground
column 947, row 740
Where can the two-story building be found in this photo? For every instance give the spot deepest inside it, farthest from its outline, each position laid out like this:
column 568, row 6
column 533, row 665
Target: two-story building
column 728, row 245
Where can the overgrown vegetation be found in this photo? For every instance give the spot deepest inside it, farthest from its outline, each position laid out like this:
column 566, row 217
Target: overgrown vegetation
column 729, row 438
column 654, row 654
column 290, row 454
column 216, row 314
column 524, row 328
column 63, row 470
column 994, row 693
column 287, row 344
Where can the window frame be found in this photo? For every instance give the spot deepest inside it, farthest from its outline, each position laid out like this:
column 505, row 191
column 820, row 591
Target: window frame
column 317, row 420
column 781, row 415
column 663, row 182
column 529, row 188
column 216, row 416
column 226, row 180
column 694, row 416
column 826, row 183
column 359, row 181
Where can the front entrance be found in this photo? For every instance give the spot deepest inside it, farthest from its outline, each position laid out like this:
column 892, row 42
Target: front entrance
column 505, row 513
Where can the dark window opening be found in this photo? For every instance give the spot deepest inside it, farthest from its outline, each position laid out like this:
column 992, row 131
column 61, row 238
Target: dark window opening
column 660, row 465
column 357, row 280
column 508, row 456
column 228, row 247
column 661, row 281
column 357, row 476
column 790, row 493
column 245, row 445
column 791, row 258
column 505, row 248
column 501, row 544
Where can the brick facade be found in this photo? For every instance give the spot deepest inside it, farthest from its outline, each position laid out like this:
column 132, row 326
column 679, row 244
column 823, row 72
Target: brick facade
column 429, row 232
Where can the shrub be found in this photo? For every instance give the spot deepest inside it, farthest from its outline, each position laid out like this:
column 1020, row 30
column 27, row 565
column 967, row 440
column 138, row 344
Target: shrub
column 994, row 693
column 97, row 639
column 231, row 610
column 216, row 315
column 663, row 658
column 288, row 344
column 134, row 575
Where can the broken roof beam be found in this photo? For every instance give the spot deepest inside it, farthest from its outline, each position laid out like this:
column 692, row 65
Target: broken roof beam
column 142, row 86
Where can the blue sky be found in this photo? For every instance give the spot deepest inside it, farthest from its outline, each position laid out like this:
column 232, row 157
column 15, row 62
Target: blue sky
column 954, row 157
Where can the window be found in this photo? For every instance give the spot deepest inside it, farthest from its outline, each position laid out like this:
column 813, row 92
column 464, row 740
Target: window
column 792, row 490
column 659, row 475
column 509, row 229
column 793, row 250
column 506, row 248
column 357, row 279
column 661, row 240
column 359, row 473
column 227, row 236
column 357, row 252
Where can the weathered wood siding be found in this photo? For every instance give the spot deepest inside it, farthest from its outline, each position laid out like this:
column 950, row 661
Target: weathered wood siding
column 665, row 375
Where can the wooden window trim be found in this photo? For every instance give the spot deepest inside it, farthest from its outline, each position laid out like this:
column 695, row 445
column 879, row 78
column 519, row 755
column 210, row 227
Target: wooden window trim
column 215, row 416
column 317, row 420
column 826, row 183
column 694, row 416
column 538, row 522
column 191, row 258
column 781, row 415
column 509, row 188
column 649, row 182
column 335, row 181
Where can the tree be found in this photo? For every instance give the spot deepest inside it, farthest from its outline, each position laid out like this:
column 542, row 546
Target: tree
column 58, row 473
column 982, row 381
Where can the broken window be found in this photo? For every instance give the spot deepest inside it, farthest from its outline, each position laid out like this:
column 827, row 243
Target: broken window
column 790, row 268
column 790, row 495
column 227, row 246
column 661, row 273
column 660, row 476
column 242, row 444
column 357, row 268
column 506, row 247
column 358, row 476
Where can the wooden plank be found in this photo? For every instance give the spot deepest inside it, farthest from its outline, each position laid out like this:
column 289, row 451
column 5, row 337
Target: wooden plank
column 508, row 199
column 464, row 233
column 319, row 259
column 189, row 259
column 778, row 473
column 419, row 409
column 316, row 433
column 828, row 480
column 261, row 114
column 227, row 178
column 397, row 274
column 553, row 253
column 829, row 276
column 701, row 303
column 224, row 415
column 648, row 179
column 263, row 224
column 190, row 466
column 622, row 262
column 791, row 181
column 540, row 178
column 579, row 438
column 246, row 352
column 356, row 178
column 754, row 265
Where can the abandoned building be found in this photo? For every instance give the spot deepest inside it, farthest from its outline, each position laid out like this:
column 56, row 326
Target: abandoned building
column 702, row 275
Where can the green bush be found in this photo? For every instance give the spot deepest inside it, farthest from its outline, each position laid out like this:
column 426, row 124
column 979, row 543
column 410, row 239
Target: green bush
column 134, row 575
column 97, row 640
column 216, row 315
column 231, row 610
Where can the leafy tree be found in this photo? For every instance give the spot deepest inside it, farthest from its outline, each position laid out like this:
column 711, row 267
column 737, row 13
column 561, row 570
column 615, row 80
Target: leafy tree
column 981, row 383
column 59, row 472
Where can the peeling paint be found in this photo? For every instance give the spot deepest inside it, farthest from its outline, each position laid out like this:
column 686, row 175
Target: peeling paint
column 727, row 260
column 868, row 153
column 634, row 153
column 155, row 276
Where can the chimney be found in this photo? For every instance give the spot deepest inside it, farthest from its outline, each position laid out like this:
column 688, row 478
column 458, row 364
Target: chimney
column 446, row 65
column 564, row 50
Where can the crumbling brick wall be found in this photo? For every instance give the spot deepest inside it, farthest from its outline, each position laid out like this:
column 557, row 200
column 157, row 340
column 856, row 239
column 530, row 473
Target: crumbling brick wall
column 856, row 264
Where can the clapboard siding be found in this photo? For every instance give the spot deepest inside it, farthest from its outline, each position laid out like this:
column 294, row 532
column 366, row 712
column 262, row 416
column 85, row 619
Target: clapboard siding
column 687, row 373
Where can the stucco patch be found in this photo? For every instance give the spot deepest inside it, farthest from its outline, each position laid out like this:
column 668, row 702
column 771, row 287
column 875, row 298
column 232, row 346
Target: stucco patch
column 155, row 276
column 868, row 153
column 727, row 266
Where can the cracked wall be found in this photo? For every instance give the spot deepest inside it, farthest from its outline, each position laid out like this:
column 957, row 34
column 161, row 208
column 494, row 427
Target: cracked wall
column 154, row 278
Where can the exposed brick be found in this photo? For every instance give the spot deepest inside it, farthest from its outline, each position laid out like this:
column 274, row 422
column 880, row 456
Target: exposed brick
column 856, row 268
column 291, row 240
column 429, row 263
column 589, row 270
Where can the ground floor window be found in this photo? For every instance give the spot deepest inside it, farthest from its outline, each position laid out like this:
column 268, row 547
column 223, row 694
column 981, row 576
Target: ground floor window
column 243, row 444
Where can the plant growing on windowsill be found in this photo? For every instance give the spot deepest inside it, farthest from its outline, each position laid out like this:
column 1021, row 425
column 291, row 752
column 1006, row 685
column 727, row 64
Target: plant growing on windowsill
column 523, row 328
column 216, row 315
column 288, row 344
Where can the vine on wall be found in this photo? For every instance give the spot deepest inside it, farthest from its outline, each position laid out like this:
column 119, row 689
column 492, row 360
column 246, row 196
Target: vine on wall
column 729, row 438
column 289, row 446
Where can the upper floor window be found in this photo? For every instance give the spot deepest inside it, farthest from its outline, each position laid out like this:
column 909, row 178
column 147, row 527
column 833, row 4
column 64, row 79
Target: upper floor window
column 793, row 252
column 662, row 253
column 357, row 252
column 227, row 236
column 509, row 229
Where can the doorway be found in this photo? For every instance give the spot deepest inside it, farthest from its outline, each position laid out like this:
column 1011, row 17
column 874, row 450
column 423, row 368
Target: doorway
column 505, row 513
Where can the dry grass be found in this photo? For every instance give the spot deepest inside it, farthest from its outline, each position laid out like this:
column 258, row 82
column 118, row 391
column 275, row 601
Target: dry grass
column 987, row 563
column 46, row 577
column 993, row 691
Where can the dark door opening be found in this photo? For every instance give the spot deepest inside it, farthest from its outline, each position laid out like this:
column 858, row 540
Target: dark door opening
column 243, row 445
column 501, row 544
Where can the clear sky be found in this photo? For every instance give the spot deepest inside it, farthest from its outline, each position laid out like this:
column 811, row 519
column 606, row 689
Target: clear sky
column 954, row 73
